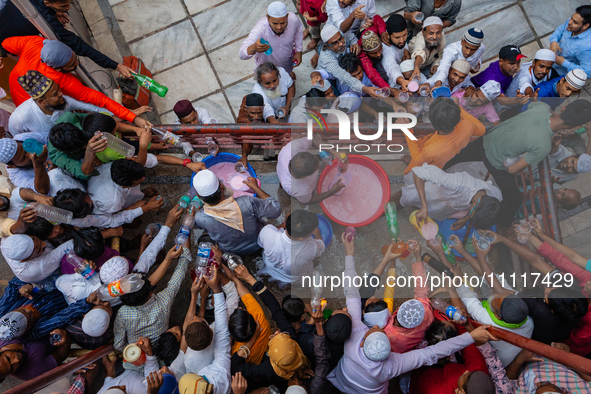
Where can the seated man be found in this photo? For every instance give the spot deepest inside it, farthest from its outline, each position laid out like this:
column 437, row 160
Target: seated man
column 456, row 79
column 26, row 170
column 233, row 223
column 447, row 10
column 564, row 164
column 280, row 245
column 479, row 103
column 426, row 48
column 46, row 105
column 298, row 174
column 407, row 68
column 469, row 48
column 31, row 259
column 335, row 46
column 564, row 198
column 570, row 42
column 187, row 114
column 532, row 74
column 277, row 89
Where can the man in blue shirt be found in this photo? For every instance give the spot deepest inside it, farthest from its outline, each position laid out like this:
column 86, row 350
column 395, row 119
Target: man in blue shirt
column 571, row 42
column 558, row 89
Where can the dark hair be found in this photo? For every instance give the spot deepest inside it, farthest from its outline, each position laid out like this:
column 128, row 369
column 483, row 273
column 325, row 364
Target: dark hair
column 576, row 113
column 7, row 200
column 125, row 172
column 89, row 243
column 40, row 228
column 241, row 325
column 198, row 335
column 293, row 308
column 265, row 68
column 303, row 164
column 215, row 198
column 301, row 223
column 66, row 137
column 439, row 331
column 376, row 307
column 487, row 212
column 349, row 62
column 315, row 92
column 95, row 121
column 73, row 200
column 444, row 114
column 585, row 12
column 167, row 348
column 139, row 297
column 569, row 304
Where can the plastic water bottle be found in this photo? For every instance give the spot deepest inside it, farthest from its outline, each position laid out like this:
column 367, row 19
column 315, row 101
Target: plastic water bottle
column 79, row 264
column 269, row 51
column 52, row 214
column 47, row 285
column 33, row 146
column 167, row 137
column 117, row 144
column 449, row 254
column 158, row 198
column 54, row 338
column 343, row 163
column 196, row 203
column 212, row 147
column 153, row 229
column 232, row 260
column 450, row 311
column 185, row 200
column 325, row 157
column 150, row 84
column 128, row 284
column 392, row 220
column 204, row 254
column 317, row 281
column 187, row 224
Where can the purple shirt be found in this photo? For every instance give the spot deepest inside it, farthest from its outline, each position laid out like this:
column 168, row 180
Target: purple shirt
column 493, row 72
column 67, row 268
column 39, row 358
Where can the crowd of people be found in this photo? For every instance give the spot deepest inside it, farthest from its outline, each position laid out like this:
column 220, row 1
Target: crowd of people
column 70, row 287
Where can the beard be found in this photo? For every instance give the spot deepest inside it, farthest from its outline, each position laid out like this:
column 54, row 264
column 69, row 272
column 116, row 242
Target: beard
column 432, row 43
column 58, row 107
column 273, row 94
column 400, row 46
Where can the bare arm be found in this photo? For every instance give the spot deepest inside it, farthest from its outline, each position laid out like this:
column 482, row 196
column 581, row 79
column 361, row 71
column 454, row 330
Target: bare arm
column 172, row 254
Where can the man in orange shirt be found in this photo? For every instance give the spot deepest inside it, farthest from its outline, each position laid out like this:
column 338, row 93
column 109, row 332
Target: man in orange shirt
column 56, row 61
column 455, row 127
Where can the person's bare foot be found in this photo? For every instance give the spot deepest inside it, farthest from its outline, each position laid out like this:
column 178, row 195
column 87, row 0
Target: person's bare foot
column 312, row 44
column 150, row 192
column 314, row 60
column 395, row 198
column 406, row 159
column 306, row 33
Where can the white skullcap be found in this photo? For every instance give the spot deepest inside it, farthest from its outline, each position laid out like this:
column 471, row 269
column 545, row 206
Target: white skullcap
column 379, row 319
column 277, row 10
column 576, row 78
column 407, row 65
column 17, row 247
column 328, row 31
column 491, row 89
column 96, row 322
column 462, row 66
column 13, row 325
column 545, row 54
column 114, row 391
column 376, row 346
column 322, row 88
column 350, row 101
column 295, row 390
column 205, row 183
column 584, row 163
column 114, row 269
column 8, row 148
column 411, row 313
column 432, row 20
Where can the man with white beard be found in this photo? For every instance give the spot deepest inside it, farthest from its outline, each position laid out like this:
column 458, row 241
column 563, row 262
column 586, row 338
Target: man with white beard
column 277, row 89
column 426, row 48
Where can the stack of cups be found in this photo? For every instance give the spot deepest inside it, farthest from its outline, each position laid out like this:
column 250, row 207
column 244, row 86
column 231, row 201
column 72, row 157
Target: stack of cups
column 523, row 230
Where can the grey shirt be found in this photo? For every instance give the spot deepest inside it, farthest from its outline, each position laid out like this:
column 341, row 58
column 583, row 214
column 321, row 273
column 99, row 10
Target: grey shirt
column 448, row 12
column 235, row 241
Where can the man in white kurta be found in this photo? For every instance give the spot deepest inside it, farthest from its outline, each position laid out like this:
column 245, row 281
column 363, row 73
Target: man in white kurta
column 272, row 104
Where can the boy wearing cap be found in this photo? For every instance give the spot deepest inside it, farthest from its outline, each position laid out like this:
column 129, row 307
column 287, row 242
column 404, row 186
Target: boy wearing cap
column 426, row 48
column 470, row 48
column 562, row 87
column 284, row 33
column 532, row 73
column 187, row 114
column 25, row 170
column 456, row 79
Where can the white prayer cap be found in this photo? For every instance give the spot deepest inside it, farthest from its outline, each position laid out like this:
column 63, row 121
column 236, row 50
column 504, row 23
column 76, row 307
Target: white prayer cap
column 376, row 346
column 328, row 31
column 491, row 89
column 576, row 78
column 350, row 101
column 411, row 313
column 407, row 65
column 114, row 269
column 545, row 54
column 17, row 247
column 584, row 163
column 277, row 10
column 295, row 390
column 432, row 20
column 8, row 148
column 13, row 325
column 462, row 66
column 96, row 322
column 114, row 391
column 206, row 183
column 379, row 319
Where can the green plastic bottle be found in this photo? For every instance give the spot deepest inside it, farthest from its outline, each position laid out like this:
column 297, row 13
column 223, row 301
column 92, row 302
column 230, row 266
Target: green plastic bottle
column 449, row 253
column 150, row 84
column 392, row 220
column 581, row 131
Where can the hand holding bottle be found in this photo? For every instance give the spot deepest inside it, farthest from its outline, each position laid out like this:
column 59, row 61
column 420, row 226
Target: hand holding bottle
column 174, row 215
column 174, row 252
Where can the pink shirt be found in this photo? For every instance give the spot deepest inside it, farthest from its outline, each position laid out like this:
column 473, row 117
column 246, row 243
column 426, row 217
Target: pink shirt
column 284, row 46
column 487, row 110
column 302, row 189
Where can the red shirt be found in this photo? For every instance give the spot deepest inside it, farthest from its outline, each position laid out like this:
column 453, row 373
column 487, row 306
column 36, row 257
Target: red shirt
column 580, row 338
column 313, row 8
column 378, row 27
column 28, row 49
column 438, row 379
